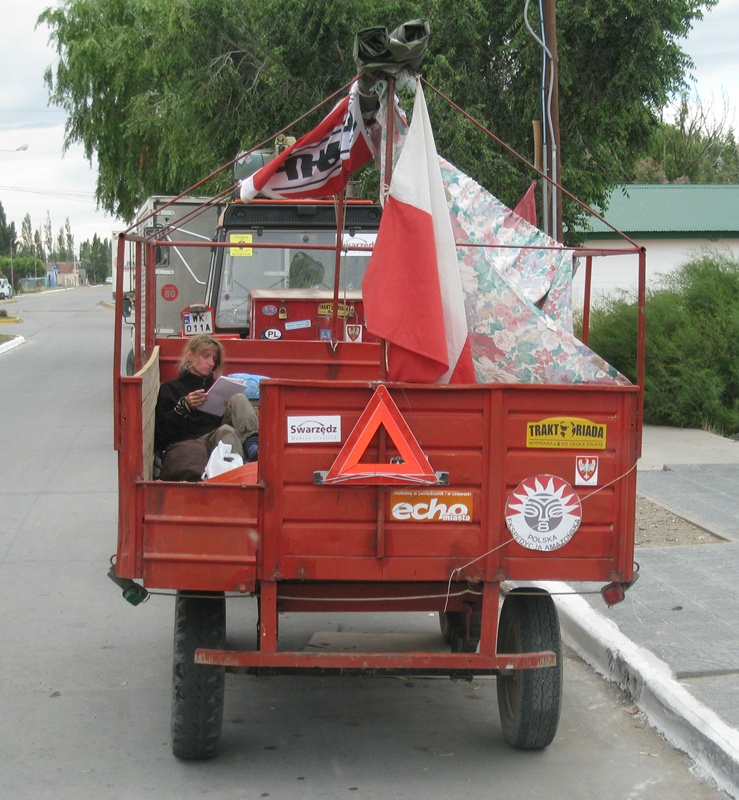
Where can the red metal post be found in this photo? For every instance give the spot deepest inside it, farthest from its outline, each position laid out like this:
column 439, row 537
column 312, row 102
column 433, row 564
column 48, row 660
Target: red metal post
column 641, row 342
column 117, row 344
column 337, row 264
column 586, row 300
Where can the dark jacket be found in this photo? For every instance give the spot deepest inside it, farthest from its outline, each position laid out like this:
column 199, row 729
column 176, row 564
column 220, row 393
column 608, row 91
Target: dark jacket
column 171, row 427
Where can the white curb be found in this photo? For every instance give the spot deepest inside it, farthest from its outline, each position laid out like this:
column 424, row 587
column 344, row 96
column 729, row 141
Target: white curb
column 11, row 344
column 684, row 721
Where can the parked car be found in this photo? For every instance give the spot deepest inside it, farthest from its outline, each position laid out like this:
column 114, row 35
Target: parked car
column 109, row 280
column 6, row 290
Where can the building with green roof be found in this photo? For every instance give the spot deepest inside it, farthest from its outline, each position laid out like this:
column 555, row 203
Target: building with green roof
column 672, row 221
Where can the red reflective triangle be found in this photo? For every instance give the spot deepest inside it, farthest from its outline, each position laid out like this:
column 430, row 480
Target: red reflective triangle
column 381, row 410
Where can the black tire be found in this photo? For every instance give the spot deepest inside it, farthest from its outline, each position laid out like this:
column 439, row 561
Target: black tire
column 447, row 621
column 2, row 295
column 130, row 363
column 454, row 631
column 197, row 689
column 530, row 700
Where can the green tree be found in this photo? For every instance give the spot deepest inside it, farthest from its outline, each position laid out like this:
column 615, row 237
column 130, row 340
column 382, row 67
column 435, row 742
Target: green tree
column 164, row 93
column 27, row 247
column 95, row 259
column 38, row 248
column 8, row 235
column 68, row 240
column 48, row 238
column 694, row 148
column 692, row 346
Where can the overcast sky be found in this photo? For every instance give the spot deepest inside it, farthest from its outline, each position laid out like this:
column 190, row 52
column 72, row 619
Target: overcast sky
column 41, row 180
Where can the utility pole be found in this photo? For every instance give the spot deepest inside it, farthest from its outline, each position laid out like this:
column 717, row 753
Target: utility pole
column 554, row 155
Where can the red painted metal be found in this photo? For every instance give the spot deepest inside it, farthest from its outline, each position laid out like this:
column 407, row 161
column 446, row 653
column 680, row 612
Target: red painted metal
column 299, row 542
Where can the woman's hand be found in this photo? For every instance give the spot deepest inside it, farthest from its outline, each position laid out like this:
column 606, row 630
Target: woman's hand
column 196, row 398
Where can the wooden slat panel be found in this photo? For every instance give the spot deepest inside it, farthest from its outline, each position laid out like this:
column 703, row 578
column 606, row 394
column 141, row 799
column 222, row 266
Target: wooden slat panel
column 149, row 375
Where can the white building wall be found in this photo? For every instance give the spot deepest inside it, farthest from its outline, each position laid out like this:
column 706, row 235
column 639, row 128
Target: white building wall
column 614, row 275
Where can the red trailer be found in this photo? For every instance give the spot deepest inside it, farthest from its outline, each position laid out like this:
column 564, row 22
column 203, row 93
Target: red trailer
column 369, row 495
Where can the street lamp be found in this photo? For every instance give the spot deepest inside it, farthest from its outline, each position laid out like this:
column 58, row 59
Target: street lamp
column 16, row 150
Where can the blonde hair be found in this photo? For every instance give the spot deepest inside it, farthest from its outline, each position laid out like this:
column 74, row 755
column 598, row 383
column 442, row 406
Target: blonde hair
column 197, row 346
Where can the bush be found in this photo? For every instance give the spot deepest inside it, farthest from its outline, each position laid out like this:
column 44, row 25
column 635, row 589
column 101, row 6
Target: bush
column 692, row 344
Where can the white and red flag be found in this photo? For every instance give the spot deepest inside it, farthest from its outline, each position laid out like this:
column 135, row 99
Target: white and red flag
column 320, row 162
column 412, row 289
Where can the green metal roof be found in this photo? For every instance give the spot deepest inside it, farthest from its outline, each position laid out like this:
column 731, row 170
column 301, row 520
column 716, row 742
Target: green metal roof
column 676, row 210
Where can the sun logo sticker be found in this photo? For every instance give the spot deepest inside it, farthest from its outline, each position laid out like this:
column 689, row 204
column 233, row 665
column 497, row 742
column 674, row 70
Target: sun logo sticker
column 543, row 513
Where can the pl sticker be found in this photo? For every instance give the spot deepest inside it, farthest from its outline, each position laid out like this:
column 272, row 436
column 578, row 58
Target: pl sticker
column 586, row 471
column 543, row 513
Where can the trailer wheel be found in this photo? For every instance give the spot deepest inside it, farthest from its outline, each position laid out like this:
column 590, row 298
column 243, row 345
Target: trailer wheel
column 530, row 700
column 454, row 631
column 130, row 363
column 197, row 689
column 447, row 621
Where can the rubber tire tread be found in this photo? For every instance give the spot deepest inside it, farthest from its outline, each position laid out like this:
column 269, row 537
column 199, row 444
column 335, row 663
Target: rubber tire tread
column 447, row 621
column 453, row 630
column 530, row 700
column 197, row 689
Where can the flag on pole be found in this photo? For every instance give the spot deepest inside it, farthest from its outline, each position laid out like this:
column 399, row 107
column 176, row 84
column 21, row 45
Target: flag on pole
column 526, row 208
column 412, row 289
column 320, row 162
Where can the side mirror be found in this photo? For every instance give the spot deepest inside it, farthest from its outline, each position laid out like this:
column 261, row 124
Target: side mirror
column 127, row 307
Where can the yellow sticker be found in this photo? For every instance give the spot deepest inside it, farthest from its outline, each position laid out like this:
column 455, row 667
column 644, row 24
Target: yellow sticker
column 570, row 432
column 327, row 310
column 241, row 238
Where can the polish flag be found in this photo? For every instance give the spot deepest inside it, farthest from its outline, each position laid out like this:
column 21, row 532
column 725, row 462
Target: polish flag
column 320, row 163
column 412, row 290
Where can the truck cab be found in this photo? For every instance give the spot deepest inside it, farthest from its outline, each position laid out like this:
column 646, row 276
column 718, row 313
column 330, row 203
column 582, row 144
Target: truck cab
column 276, row 276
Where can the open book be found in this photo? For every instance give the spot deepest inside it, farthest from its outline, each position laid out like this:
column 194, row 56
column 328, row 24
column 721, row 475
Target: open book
column 222, row 390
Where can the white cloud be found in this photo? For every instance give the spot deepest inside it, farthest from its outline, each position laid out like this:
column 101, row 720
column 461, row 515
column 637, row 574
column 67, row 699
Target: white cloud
column 42, row 180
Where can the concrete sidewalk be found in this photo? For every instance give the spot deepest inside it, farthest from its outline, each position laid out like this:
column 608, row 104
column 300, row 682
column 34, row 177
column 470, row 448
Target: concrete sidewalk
column 673, row 645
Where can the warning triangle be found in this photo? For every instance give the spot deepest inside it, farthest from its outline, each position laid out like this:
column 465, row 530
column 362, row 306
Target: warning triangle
column 381, row 410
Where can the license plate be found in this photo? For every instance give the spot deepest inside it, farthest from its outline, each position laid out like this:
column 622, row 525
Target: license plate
column 197, row 322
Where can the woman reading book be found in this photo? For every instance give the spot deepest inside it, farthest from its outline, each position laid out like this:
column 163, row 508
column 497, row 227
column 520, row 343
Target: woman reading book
column 179, row 418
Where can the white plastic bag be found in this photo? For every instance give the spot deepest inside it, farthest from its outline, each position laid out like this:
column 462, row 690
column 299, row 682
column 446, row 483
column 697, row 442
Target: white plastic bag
column 221, row 460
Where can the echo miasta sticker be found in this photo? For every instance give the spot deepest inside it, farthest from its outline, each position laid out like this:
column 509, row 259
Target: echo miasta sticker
column 543, row 513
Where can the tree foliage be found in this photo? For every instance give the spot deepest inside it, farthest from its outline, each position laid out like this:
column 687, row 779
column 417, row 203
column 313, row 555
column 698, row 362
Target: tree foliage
column 8, row 235
column 164, row 93
column 692, row 347
column 95, row 259
column 695, row 147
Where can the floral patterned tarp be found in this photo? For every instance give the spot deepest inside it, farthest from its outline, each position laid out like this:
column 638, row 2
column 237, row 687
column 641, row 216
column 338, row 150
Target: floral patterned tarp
column 518, row 295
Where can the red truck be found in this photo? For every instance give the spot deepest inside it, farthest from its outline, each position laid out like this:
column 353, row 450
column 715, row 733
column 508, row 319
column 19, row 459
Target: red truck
column 368, row 495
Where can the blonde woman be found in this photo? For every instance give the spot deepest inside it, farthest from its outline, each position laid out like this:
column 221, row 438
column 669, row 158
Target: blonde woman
column 178, row 418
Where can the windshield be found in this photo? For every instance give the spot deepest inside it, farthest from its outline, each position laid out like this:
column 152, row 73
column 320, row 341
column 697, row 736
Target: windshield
column 293, row 265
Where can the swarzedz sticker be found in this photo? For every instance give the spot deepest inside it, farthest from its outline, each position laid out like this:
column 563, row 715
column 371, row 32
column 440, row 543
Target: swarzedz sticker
column 543, row 513
column 314, row 429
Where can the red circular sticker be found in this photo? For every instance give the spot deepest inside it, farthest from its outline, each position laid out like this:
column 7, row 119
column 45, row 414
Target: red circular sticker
column 170, row 292
column 543, row 512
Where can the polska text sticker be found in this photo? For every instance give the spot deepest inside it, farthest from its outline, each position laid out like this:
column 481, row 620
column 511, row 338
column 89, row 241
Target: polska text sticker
column 543, row 513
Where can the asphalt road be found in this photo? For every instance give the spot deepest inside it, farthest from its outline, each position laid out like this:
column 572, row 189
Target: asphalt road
column 85, row 677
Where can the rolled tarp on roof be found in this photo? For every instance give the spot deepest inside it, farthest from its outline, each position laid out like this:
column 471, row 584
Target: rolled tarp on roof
column 377, row 51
